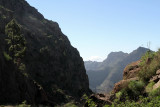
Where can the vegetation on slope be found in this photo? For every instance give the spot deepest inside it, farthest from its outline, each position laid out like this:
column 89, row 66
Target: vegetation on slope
column 144, row 92
column 141, row 93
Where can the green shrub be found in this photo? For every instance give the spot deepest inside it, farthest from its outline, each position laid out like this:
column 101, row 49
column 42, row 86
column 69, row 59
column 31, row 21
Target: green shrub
column 148, row 55
column 136, row 87
column 23, row 104
column 149, row 65
column 144, row 102
column 22, row 67
column 89, row 102
column 149, row 87
column 6, row 56
column 155, row 92
column 133, row 91
column 121, row 94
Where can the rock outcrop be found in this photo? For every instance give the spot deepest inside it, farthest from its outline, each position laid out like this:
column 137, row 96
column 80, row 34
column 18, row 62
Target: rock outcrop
column 130, row 73
column 50, row 59
column 156, row 79
column 131, row 70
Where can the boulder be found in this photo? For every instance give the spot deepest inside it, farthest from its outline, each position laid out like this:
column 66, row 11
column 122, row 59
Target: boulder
column 158, row 72
column 154, row 78
column 157, row 85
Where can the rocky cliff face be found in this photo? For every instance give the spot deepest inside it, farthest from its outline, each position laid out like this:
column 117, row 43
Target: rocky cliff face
column 50, row 59
column 17, row 87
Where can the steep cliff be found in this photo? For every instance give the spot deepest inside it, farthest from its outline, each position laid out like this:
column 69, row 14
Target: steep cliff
column 50, row 59
column 17, row 87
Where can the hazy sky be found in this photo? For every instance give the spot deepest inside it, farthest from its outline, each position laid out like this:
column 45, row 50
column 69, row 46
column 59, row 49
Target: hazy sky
column 97, row 27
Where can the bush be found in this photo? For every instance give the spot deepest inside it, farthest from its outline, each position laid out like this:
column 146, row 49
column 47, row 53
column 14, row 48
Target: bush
column 155, row 92
column 22, row 67
column 145, row 58
column 149, row 65
column 136, row 87
column 144, row 102
column 6, row 56
column 23, row 104
column 89, row 102
column 149, row 87
column 121, row 94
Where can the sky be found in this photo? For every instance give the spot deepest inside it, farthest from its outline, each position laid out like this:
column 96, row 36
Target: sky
column 98, row 27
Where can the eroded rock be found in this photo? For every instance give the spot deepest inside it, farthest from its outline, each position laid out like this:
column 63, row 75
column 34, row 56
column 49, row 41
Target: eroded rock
column 131, row 70
column 158, row 72
column 157, row 85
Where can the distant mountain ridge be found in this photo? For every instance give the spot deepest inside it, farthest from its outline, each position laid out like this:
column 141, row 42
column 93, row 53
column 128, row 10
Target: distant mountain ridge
column 112, row 58
column 110, row 71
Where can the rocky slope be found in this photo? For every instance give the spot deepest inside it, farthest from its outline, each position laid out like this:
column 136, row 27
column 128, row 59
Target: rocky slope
column 135, row 71
column 50, row 59
column 130, row 73
column 108, row 72
column 140, row 85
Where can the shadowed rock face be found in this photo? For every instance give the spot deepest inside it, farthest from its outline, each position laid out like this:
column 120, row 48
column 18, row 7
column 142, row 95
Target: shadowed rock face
column 16, row 87
column 50, row 59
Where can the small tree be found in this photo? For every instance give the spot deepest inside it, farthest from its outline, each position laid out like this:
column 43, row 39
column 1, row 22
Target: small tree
column 16, row 41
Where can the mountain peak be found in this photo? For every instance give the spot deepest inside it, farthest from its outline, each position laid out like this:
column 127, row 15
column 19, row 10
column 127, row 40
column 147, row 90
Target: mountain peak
column 116, row 54
column 114, row 57
column 142, row 48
